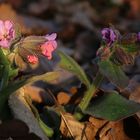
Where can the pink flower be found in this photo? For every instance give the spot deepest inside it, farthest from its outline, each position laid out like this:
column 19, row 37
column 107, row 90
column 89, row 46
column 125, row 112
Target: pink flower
column 7, row 33
column 48, row 47
column 32, row 59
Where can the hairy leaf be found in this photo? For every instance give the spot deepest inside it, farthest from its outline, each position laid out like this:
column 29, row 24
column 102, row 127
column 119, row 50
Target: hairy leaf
column 112, row 107
column 114, row 73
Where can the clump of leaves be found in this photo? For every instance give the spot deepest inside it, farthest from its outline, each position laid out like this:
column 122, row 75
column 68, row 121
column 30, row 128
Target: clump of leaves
column 116, row 51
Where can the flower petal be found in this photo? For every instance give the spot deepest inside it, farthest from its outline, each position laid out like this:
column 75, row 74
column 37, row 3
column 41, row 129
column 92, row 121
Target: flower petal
column 48, row 47
column 2, row 28
column 8, row 25
column 51, row 36
column 4, row 43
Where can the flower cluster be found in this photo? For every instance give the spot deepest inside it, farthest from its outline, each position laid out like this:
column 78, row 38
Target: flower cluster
column 49, row 46
column 8, row 35
column 113, row 40
column 46, row 48
column 110, row 35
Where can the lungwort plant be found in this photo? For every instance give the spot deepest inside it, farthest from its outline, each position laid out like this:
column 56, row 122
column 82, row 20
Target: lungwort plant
column 116, row 51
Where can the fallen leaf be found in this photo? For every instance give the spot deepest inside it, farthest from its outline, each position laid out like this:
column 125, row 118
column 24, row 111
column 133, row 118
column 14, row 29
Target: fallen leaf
column 63, row 98
column 71, row 128
column 97, row 123
column 112, row 131
column 37, row 94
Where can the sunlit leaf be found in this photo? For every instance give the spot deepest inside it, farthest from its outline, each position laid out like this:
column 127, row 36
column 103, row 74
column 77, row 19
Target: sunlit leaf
column 112, row 106
column 47, row 77
column 69, row 64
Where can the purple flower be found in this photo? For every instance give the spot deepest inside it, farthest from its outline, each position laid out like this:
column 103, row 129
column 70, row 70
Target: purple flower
column 108, row 35
column 7, row 33
column 138, row 36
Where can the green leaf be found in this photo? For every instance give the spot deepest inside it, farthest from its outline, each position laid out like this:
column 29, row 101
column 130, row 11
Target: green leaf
column 4, row 94
column 5, row 65
column 130, row 48
column 3, row 59
column 112, row 107
column 47, row 77
column 69, row 64
column 47, row 130
column 13, row 72
column 12, row 87
column 4, row 77
column 53, row 118
column 91, row 91
column 114, row 73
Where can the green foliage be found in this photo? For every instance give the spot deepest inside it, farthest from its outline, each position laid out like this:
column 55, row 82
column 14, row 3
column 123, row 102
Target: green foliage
column 114, row 73
column 47, row 77
column 112, row 106
column 4, row 94
column 4, row 69
column 90, row 92
column 67, row 63
column 47, row 130
column 130, row 48
column 13, row 86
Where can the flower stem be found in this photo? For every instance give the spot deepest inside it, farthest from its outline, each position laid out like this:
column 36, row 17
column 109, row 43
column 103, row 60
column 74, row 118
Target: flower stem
column 91, row 91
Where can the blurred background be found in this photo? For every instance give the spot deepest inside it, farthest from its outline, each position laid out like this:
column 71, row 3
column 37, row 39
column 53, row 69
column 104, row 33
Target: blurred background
column 77, row 22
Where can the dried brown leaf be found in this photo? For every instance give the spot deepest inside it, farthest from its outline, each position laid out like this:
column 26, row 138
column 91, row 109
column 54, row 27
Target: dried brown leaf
column 97, row 123
column 72, row 128
column 63, row 98
column 113, row 131
column 37, row 94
